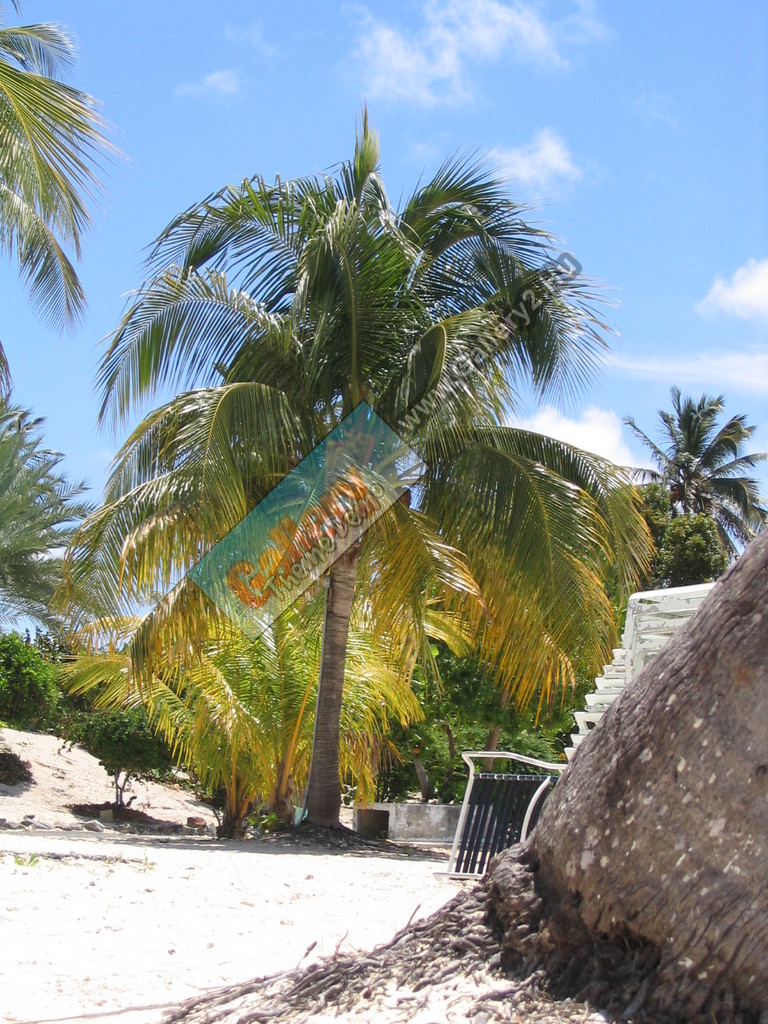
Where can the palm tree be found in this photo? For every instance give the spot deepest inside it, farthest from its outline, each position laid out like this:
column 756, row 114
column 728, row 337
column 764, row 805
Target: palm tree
column 284, row 306
column 38, row 512
column 704, row 466
column 240, row 716
column 50, row 140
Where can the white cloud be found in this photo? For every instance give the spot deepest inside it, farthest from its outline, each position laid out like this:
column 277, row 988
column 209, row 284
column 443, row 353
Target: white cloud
column 597, row 430
column 254, row 35
column 545, row 163
column 218, row 83
column 715, row 371
column 583, row 25
column 431, row 65
column 655, row 107
column 399, row 69
column 746, row 294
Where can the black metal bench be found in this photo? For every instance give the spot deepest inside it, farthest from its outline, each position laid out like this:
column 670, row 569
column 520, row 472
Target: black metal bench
column 499, row 808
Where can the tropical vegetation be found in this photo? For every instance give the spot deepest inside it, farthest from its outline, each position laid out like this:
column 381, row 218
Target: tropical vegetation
column 29, row 693
column 688, row 547
column 123, row 741
column 465, row 710
column 705, row 466
column 279, row 307
column 51, row 141
column 240, row 717
column 39, row 510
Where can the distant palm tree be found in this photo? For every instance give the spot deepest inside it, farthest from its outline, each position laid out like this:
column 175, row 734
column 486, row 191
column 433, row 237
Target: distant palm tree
column 38, row 509
column 703, row 466
column 284, row 305
column 50, row 140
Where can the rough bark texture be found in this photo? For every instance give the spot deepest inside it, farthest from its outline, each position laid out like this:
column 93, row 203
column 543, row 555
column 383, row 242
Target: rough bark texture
column 324, row 800
column 657, row 834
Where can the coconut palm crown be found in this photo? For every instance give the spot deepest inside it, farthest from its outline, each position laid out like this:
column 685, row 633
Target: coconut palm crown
column 278, row 307
column 705, row 468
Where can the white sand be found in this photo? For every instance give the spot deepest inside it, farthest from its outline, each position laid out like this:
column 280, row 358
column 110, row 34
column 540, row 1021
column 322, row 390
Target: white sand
column 66, row 775
column 102, row 923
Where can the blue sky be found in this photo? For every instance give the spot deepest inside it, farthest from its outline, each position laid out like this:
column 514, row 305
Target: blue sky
column 638, row 131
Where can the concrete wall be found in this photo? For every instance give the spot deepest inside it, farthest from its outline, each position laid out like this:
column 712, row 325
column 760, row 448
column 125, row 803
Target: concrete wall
column 434, row 823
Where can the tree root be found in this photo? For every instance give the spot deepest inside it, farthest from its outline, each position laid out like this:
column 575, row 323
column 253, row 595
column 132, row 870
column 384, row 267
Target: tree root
column 444, row 968
column 628, row 978
column 494, row 953
column 424, row 954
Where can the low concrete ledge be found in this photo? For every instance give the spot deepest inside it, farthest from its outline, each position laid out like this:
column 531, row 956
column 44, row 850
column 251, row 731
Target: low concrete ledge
column 434, row 823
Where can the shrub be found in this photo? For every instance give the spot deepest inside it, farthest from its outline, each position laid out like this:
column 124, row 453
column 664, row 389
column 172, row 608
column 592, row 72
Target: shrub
column 692, row 552
column 29, row 693
column 124, row 743
column 688, row 547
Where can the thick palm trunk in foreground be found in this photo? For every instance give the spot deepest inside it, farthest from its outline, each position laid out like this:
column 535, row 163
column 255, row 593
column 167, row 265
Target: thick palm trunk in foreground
column 657, row 835
column 324, row 785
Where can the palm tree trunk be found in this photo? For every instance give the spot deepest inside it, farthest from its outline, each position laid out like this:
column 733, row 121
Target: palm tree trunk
column 655, row 836
column 421, row 773
column 324, row 799
column 491, row 743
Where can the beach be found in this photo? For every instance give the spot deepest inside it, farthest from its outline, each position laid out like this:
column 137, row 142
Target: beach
column 118, row 927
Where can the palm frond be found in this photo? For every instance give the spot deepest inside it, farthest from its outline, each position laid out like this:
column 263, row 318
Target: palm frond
column 52, row 143
column 39, row 511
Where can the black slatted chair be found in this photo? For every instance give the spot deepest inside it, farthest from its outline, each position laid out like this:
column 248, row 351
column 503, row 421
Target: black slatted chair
column 499, row 808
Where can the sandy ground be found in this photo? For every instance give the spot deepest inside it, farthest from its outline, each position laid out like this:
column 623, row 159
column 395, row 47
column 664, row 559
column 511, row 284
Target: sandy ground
column 64, row 775
column 111, row 927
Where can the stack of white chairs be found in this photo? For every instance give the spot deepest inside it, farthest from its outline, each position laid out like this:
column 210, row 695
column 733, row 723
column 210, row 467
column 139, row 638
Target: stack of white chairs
column 653, row 618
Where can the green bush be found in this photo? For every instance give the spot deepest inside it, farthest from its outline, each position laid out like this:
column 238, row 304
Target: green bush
column 692, row 552
column 124, row 743
column 426, row 760
column 688, row 547
column 29, row 693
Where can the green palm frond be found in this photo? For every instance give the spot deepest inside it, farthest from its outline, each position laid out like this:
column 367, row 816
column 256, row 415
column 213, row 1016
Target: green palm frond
column 610, row 487
column 51, row 143
column 39, row 510
column 159, row 340
column 42, row 49
column 54, row 287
